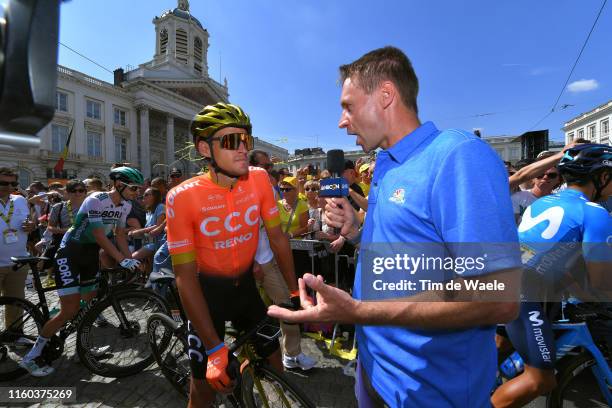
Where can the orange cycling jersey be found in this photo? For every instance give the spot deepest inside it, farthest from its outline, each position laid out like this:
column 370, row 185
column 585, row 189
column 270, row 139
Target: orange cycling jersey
column 218, row 227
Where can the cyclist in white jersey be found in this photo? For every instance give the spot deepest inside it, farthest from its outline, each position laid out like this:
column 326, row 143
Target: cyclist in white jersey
column 77, row 260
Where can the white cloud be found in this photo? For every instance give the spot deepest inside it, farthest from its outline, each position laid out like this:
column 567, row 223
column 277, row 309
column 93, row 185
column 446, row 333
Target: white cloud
column 583, row 85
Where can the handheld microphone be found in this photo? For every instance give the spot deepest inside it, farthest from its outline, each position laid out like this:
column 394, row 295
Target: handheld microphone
column 336, row 185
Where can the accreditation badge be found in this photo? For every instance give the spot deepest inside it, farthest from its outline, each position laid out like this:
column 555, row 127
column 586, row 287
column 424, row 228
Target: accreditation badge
column 10, row 236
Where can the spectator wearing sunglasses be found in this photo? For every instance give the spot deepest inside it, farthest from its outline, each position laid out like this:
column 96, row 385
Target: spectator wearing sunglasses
column 311, row 189
column 14, row 226
column 293, row 211
column 175, row 178
column 543, row 186
column 62, row 217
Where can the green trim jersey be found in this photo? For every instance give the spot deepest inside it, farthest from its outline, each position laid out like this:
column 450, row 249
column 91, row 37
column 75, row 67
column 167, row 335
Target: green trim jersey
column 97, row 211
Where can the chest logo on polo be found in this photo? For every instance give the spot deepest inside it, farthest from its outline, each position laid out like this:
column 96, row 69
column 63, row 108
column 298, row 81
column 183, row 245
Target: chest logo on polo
column 398, row 196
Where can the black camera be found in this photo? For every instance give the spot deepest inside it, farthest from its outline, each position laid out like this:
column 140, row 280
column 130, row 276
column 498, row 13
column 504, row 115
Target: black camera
column 29, row 37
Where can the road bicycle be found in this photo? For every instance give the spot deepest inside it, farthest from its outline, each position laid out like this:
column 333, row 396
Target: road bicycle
column 258, row 385
column 111, row 328
column 583, row 340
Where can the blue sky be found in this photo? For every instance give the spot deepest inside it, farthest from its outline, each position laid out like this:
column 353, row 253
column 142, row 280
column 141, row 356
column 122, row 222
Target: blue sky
column 281, row 58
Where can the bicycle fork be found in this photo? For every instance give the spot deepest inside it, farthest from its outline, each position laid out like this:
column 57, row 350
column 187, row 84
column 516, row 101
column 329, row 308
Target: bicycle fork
column 579, row 336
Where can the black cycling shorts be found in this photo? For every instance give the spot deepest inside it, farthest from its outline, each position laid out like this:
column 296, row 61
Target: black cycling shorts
column 532, row 336
column 229, row 299
column 76, row 268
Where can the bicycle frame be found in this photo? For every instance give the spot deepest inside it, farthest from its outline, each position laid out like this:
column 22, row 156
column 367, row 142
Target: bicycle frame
column 578, row 335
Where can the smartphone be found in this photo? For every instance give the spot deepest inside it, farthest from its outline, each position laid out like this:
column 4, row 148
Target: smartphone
column 269, row 332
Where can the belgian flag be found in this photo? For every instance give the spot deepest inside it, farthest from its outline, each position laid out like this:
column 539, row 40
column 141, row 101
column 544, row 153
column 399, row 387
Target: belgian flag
column 59, row 166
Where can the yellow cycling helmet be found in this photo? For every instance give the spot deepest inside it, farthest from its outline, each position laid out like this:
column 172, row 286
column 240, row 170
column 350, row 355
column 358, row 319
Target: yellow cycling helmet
column 218, row 116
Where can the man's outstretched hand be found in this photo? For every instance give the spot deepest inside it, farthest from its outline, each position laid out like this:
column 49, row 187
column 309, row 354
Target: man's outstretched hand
column 332, row 305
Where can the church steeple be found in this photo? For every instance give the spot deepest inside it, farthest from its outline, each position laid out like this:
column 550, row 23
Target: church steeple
column 180, row 38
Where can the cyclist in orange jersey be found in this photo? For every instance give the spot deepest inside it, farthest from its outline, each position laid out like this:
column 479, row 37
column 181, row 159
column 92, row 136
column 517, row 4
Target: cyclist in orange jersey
column 213, row 231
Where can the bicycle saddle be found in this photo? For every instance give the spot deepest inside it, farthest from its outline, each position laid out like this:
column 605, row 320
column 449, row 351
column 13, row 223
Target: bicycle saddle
column 163, row 276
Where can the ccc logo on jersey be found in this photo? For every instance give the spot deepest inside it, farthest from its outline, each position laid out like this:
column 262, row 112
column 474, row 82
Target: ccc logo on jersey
column 553, row 215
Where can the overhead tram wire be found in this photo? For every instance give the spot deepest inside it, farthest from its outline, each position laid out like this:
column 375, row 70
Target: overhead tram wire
column 84, row 56
column 586, row 41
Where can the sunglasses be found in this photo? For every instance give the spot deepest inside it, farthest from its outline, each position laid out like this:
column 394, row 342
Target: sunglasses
column 9, row 183
column 78, row 190
column 311, row 189
column 232, row 141
column 130, row 187
column 175, row 176
column 286, row 189
column 549, row 175
column 147, row 194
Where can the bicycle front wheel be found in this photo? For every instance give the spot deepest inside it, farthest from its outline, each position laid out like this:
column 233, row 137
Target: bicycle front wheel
column 169, row 347
column 575, row 382
column 112, row 337
column 264, row 387
column 18, row 335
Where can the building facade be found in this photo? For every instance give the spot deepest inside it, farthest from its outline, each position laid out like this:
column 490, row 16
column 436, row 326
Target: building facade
column 593, row 125
column 142, row 118
column 507, row 147
column 318, row 160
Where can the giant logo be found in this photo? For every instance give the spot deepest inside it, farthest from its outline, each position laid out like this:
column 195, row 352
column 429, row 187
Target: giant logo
column 210, row 226
column 553, row 215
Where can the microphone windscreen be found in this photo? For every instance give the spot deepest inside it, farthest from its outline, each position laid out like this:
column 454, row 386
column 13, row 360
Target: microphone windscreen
column 335, row 161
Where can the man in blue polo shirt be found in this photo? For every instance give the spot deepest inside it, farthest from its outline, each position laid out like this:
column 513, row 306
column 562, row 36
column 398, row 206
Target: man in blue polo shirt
column 429, row 187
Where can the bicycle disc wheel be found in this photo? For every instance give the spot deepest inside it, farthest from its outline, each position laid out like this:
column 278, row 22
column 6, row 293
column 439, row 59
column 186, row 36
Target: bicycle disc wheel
column 112, row 337
column 18, row 336
column 169, row 347
column 576, row 382
column 260, row 384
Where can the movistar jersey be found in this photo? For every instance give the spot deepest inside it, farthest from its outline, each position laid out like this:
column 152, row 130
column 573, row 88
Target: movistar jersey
column 97, row 211
column 557, row 230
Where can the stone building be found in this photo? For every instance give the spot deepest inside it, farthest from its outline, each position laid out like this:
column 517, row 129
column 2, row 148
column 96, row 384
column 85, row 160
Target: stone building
column 130, row 120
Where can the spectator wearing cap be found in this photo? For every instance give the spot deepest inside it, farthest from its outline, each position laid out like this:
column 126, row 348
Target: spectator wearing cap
column 364, row 175
column 293, row 211
column 176, row 178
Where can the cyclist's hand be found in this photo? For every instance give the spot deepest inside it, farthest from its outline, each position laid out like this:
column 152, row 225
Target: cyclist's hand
column 131, row 264
column 216, row 371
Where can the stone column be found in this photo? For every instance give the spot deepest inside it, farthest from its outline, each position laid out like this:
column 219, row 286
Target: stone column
column 145, row 159
column 170, row 140
column 133, row 150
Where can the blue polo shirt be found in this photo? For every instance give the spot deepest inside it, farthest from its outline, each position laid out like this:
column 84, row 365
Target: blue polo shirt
column 436, row 186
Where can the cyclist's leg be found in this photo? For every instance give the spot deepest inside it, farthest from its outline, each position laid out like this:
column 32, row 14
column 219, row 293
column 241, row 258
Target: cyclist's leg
column 532, row 336
column 248, row 311
column 88, row 272
column 201, row 394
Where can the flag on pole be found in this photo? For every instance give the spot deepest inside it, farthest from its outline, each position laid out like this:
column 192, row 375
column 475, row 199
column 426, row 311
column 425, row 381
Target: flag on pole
column 59, row 166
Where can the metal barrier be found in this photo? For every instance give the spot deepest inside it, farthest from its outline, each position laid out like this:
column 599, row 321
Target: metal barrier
column 320, row 249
